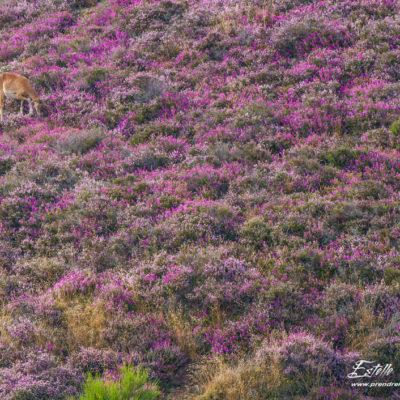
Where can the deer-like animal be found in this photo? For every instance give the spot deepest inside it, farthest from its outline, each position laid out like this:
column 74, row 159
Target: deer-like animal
column 16, row 86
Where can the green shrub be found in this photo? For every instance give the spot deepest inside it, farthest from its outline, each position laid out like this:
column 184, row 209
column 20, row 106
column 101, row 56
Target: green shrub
column 369, row 188
column 6, row 163
column 96, row 75
column 83, row 3
column 49, row 80
column 256, row 232
column 215, row 222
column 144, row 132
column 395, row 127
column 145, row 113
column 311, row 261
column 340, row 157
column 293, row 226
column 253, row 114
column 214, row 45
column 133, row 384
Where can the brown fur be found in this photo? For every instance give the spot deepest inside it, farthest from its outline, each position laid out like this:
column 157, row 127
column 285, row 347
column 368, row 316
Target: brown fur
column 16, row 86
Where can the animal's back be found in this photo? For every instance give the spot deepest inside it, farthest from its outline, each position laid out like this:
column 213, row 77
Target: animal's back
column 14, row 83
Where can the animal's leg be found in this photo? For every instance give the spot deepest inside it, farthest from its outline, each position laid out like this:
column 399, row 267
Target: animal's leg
column 30, row 107
column 21, row 108
column 1, row 106
column 22, row 98
column 36, row 105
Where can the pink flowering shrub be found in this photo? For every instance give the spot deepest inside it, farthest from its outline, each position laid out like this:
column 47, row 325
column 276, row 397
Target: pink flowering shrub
column 146, row 341
column 306, row 361
column 229, row 283
column 38, row 377
column 205, row 177
column 93, row 360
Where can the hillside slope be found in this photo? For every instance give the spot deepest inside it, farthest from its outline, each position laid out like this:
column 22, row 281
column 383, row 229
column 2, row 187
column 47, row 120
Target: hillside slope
column 212, row 193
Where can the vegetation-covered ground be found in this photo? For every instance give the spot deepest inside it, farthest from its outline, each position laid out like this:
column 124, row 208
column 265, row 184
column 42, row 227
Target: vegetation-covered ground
column 212, row 194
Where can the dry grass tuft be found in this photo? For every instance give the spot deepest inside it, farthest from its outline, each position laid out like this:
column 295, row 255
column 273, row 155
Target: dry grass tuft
column 247, row 380
column 84, row 324
column 182, row 332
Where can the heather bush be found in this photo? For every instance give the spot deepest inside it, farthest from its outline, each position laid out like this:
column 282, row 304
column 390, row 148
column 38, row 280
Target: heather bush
column 71, row 222
column 8, row 354
column 38, row 377
column 385, row 351
column 369, row 188
column 214, row 45
column 95, row 361
column 146, row 157
column 341, row 157
column 307, row 362
column 228, row 283
column 357, row 261
column 341, row 299
column 256, row 231
column 149, row 87
column 233, row 338
column 52, row 176
column 160, row 12
column 206, row 221
column 164, row 361
column 311, row 262
column 204, row 176
column 254, row 114
column 289, row 305
column 153, row 281
column 209, row 186
column 156, row 128
column 82, row 3
column 384, row 302
column 43, row 270
column 297, row 35
column 104, row 288
column 77, row 142
column 146, row 340
column 23, row 331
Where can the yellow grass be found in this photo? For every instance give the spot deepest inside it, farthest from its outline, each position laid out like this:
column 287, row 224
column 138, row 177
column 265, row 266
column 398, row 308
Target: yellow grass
column 246, row 380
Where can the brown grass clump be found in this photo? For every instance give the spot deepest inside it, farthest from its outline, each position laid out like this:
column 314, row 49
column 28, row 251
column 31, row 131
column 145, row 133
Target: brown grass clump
column 84, row 323
column 247, row 380
column 182, row 332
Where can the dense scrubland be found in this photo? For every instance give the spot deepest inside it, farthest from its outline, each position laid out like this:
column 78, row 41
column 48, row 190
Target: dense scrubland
column 212, row 194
